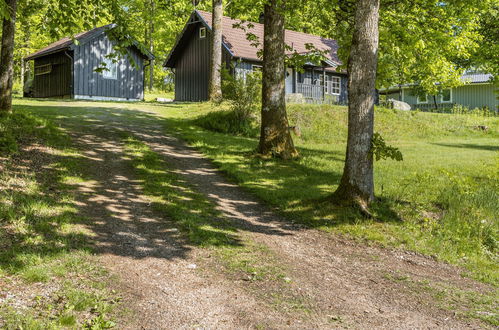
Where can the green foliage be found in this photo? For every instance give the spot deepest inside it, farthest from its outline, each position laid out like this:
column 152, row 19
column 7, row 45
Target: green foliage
column 380, row 150
column 243, row 94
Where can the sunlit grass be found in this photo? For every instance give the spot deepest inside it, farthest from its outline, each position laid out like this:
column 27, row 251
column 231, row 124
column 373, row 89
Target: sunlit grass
column 44, row 252
column 442, row 200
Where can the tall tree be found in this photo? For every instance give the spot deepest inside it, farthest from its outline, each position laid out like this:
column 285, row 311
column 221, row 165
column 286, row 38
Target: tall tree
column 215, row 83
column 151, row 42
column 275, row 138
column 6, row 58
column 357, row 183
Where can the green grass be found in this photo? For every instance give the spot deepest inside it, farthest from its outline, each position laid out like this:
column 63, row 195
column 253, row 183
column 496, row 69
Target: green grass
column 204, row 226
column 42, row 240
column 441, row 200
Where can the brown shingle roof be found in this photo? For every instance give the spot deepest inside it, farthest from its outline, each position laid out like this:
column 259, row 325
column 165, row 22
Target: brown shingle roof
column 236, row 41
column 67, row 42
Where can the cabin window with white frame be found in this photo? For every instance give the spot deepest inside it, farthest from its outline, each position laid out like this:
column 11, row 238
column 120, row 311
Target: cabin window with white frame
column 202, row 33
column 333, row 85
column 446, row 95
column 111, row 70
column 423, row 99
column 257, row 68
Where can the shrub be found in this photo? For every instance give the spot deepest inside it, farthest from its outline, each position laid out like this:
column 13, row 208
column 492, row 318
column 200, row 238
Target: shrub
column 243, row 93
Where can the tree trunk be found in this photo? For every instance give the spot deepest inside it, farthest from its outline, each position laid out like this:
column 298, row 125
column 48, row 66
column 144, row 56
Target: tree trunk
column 435, row 102
column 275, row 138
column 215, row 84
column 6, row 58
column 357, row 183
column 151, row 45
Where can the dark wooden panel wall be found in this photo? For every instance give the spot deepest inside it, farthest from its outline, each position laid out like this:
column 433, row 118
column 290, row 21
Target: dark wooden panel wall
column 193, row 67
column 57, row 83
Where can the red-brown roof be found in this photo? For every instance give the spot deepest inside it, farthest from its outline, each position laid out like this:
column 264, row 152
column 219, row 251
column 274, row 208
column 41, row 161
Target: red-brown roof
column 235, row 39
column 67, row 42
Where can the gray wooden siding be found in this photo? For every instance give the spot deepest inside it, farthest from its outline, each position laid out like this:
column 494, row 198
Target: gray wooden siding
column 89, row 56
column 471, row 96
column 192, row 68
column 57, row 83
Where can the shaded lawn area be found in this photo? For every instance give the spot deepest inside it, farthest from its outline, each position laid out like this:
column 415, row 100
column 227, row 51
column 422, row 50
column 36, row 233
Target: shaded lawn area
column 442, row 200
column 42, row 239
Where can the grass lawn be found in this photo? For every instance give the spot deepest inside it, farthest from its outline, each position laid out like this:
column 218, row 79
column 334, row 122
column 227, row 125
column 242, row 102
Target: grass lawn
column 442, row 200
column 47, row 270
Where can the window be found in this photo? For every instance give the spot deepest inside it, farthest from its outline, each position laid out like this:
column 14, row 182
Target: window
column 256, row 67
column 111, row 70
column 43, row 69
column 446, row 96
column 202, row 33
column 333, row 85
column 423, row 99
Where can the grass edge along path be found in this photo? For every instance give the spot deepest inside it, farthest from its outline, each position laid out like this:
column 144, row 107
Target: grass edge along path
column 442, row 211
column 197, row 218
column 48, row 275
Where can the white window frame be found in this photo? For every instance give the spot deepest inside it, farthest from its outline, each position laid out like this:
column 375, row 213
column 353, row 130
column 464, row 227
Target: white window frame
column 420, row 101
column 334, row 85
column 442, row 96
column 111, row 70
column 202, row 32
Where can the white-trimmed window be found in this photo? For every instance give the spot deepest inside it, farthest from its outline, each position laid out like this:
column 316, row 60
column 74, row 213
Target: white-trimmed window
column 422, row 99
column 446, row 96
column 111, row 70
column 333, row 85
column 256, row 67
column 202, row 33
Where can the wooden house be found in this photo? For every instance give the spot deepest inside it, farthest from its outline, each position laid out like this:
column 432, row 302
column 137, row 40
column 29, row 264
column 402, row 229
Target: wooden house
column 190, row 60
column 477, row 91
column 67, row 69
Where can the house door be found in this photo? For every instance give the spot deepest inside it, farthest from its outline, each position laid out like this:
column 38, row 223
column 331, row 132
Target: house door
column 289, row 81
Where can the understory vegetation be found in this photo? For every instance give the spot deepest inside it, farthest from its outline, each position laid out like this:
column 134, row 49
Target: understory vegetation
column 48, row 278
column 442, row 200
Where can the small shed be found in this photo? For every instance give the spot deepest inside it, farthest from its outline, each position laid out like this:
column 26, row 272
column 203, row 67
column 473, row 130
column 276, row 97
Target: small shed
column 67, row 69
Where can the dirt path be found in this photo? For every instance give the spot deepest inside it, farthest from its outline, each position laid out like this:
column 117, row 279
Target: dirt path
column 345, row 284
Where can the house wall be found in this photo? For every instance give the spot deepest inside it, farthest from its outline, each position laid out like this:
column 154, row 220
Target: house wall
column 89, row 56
column 471, row 96
column 57, row 83
column 192, row 68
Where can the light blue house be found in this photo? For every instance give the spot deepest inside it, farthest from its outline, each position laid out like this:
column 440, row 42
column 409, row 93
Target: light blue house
column 478, row 91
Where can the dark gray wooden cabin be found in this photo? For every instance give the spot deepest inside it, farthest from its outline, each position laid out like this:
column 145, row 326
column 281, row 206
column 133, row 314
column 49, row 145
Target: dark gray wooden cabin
column 190, row 61
column 66, row 69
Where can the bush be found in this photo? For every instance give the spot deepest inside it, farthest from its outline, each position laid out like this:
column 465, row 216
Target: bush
column 228, row 122
column 243, row 92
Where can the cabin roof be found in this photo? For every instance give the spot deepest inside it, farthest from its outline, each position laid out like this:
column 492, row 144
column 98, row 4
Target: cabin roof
column 475, row 78
column 235, row 41
column 67, row 42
